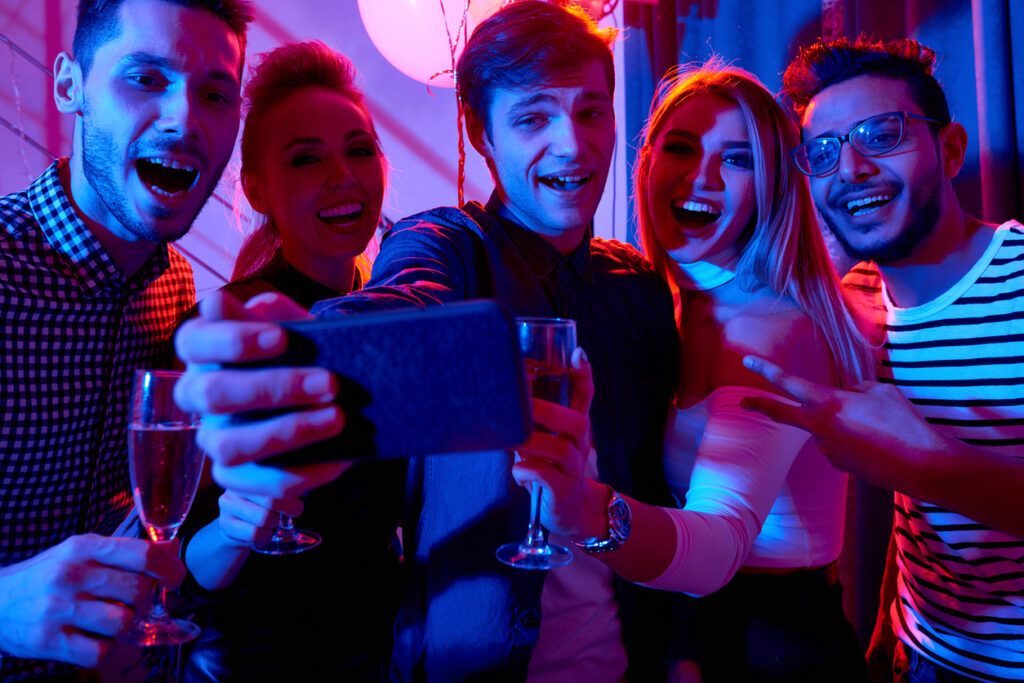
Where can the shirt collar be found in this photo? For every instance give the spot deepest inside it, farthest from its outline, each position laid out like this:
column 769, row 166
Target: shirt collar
column 538, row 253
column 87, row 260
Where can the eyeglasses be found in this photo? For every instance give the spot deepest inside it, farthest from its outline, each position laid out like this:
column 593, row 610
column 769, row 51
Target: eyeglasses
column 875, row 136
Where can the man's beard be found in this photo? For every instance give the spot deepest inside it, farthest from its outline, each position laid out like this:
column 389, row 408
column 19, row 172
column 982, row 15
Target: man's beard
column 924, row 216
column 98, row 163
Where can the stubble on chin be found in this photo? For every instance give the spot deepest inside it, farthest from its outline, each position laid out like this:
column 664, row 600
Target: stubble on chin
column 99, row 155
column 924, row 215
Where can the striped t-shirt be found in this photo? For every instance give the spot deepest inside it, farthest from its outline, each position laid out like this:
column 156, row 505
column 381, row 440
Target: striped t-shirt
column 960, row 361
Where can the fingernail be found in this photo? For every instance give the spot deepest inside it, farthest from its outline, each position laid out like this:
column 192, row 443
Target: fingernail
column 317, row 384
column 583, row 356
column 748, row 362
column 269, row 339
column 322, row 417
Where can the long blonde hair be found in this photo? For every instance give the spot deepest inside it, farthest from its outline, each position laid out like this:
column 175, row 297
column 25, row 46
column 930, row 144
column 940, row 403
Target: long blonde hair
column 784, row 248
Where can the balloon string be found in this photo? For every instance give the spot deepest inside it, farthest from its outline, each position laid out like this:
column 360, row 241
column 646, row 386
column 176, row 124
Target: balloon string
column 452, row 49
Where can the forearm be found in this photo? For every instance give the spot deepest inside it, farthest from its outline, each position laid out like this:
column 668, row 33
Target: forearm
column 982, row 484
column 648, row 551
column 419, row 265
column 213, row 559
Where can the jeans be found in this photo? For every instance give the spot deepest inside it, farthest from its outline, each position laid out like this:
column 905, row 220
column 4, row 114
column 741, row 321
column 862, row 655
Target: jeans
column 910, row 666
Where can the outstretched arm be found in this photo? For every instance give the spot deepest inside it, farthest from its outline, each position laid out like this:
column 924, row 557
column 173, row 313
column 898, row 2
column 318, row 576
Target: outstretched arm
column 875, row 433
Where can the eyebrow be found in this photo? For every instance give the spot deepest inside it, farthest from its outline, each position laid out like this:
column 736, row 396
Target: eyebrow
column 315, row 141
column 544, row 96
column 150, row 59
column 728, row 144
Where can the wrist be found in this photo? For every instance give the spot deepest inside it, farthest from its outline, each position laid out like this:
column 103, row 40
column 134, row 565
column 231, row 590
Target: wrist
column 618, row 525
column 595, row 503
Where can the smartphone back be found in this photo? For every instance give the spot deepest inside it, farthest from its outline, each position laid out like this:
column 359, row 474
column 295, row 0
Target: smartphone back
column 441, row 379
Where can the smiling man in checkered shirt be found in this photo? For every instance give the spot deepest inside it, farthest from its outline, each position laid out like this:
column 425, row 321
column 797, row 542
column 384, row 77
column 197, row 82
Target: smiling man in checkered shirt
column 89, row 291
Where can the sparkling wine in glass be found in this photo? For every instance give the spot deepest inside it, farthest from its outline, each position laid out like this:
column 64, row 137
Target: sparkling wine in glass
column 546, row 345
column 165, row 465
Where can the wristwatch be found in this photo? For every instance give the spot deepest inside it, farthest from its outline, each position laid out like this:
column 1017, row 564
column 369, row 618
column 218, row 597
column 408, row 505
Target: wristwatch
column 620, row 521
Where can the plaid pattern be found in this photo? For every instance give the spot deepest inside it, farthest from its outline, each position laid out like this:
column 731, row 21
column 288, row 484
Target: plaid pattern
column 72, row 331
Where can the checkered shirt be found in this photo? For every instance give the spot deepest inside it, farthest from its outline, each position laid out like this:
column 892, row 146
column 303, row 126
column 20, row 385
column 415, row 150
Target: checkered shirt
column 72, row 331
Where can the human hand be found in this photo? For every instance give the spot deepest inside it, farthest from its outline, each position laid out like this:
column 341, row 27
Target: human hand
column 871, row 431
column 555, row 457
column 228, row 333
column 246, row 521
column 69, row 601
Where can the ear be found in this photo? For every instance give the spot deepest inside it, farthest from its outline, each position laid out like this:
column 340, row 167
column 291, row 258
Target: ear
column 67, row 84
column 254, row 193
column 478, row 136
column 952, row 142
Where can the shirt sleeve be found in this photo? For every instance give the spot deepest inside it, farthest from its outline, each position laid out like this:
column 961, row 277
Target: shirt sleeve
column 420, row 264
column 740, row 466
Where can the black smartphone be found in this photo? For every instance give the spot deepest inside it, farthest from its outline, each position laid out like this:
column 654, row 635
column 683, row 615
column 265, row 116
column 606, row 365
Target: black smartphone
column 441, row 379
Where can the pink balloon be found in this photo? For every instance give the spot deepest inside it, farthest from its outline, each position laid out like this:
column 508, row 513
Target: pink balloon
column 481, row 9
column 411, row 35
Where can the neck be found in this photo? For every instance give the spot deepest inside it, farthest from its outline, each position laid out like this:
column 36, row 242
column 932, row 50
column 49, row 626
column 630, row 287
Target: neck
column 128, row 255
column 939, row 261
column 701, row 276
column 566, row 242
column 336, row 274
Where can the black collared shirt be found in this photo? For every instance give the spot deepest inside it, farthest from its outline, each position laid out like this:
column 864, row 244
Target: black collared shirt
column 462, row 507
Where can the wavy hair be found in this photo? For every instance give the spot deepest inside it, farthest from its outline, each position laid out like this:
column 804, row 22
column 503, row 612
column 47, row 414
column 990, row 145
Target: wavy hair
column 784, row 249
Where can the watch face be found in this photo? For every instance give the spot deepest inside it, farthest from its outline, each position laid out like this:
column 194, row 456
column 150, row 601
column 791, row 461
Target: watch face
column 619, row 517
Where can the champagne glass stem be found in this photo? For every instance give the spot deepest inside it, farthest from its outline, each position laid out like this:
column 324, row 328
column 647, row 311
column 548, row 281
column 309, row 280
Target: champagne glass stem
column 158, row 611
column 535, row 534
column 285, row 530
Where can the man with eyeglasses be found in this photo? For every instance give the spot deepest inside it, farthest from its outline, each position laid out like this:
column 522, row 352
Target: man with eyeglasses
column 944, row 425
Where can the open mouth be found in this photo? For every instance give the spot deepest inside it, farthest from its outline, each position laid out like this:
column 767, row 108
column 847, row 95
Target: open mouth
column 693, row 212
column 341, row 214
column 865, row 205
column 166, row 177
column 566, row 183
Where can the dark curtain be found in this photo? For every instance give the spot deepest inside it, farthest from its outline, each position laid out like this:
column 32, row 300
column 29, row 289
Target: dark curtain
column 980, row 71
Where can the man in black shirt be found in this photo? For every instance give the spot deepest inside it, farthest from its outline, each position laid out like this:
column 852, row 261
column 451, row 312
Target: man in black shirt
column 540, row 112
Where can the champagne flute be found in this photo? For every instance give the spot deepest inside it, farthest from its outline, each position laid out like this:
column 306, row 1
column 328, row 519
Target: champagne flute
column 287, row 540
column 165, row 465
column 546, row 345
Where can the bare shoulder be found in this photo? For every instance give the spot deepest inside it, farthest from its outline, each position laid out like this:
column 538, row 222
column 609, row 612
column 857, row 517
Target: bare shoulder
column 776, row 329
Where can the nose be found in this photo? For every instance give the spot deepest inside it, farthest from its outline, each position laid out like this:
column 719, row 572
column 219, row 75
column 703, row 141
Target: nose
column 338, row 173
column 565, row 142
column 706, row 173
column 178, row 113
column 854, row 167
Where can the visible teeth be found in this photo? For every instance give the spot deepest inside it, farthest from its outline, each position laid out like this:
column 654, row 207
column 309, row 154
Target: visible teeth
column 340, row 210
column 566, row 181
column 698, row 207
column 854, row 204
column 171, row 163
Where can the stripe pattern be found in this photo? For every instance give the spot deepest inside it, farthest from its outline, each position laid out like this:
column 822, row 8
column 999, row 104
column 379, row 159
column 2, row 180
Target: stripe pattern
column 960, row 361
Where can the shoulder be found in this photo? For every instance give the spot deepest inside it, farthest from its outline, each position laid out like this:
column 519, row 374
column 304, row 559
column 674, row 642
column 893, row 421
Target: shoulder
column 249, row 286
column 443, row 218
column 624, row 254
column 773, row 328
column 16, row 213
column 441, row 228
